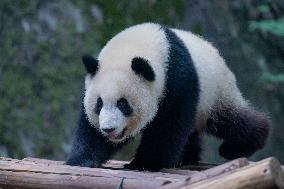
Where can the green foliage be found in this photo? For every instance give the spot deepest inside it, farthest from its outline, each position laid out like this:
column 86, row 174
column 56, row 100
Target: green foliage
column 197, row 29
column 264, row 8
column 272, row 78
column 121, row 14
column 275, row 27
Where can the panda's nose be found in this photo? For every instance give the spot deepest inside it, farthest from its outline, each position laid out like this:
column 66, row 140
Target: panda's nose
column 108, row 130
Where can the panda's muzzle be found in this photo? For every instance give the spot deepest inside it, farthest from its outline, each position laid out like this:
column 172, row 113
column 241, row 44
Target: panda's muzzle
column 108, row 130
column 113, row 123
column 115, row 137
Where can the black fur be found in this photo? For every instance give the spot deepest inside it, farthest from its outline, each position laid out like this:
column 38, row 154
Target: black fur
column 99, row 106
column 244, row 131
column 164, row 139
column 124, row 107
column 141, row 67
column 192, row 150
column 91, row 64
column 90, row 148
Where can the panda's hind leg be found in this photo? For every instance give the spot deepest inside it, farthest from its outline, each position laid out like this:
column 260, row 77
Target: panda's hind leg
column 192, row 150
column 243, row 130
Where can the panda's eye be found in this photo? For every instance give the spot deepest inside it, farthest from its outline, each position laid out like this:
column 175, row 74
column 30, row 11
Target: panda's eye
column 124, row 107
column 99, row 105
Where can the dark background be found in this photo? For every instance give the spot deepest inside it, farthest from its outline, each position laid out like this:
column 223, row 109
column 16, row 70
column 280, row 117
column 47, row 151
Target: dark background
column 41, row 76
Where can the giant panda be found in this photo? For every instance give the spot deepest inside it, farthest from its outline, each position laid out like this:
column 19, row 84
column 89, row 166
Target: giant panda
column 172, row 87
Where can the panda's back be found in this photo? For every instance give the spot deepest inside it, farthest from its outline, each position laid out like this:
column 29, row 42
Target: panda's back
column 217, row 82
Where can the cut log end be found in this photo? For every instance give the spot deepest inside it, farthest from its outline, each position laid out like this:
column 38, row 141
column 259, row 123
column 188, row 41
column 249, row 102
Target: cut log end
column 277, row 173
column 264, row 174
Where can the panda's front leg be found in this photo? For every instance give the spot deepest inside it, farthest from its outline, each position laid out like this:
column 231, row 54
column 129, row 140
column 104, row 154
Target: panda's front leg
column 162, row 146
column 90, row 148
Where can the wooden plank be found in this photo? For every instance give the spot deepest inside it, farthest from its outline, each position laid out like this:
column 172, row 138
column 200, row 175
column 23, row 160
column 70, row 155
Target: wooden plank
column 265, row 174
column 115, row 164
column 43, row 161
column 29, row 174
column 40, row 173
column 210, row 173
column 185, row 170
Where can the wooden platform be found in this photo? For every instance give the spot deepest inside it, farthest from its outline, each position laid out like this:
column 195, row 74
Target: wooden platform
column 47, row 174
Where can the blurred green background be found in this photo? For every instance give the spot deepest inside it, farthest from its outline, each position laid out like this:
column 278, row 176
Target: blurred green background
column 41, row 76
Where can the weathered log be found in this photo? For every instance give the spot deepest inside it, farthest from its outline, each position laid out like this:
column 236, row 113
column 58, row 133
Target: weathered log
column 115, row 164
column 212, row 169
column 42, row 161
column 264, row 174
column 209, row 173
column 39, row 173
column 201, row 166
column 31, row 174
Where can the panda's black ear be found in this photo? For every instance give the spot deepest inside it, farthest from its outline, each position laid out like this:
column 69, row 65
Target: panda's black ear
column 91, row 64
column 142, row 67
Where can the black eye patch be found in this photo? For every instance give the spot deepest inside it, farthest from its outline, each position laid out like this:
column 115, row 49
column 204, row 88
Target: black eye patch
column 124, row 107
column 99, row 105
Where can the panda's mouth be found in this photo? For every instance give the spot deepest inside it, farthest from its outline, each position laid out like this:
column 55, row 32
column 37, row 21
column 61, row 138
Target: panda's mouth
column 115, row 137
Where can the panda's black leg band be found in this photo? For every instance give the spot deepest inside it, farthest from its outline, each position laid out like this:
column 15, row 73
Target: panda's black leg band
column 161, row 146
column 243, row 130
column 192, row 150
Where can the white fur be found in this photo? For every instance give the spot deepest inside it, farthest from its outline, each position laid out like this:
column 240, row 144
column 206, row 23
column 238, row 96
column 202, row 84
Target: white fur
column 112, row 117
column 217, row 82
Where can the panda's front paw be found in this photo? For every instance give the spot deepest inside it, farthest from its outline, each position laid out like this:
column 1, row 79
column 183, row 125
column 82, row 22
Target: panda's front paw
column 88, row 163
column 142, row 166
column 132, row 166
column 128, row 166
column 232, row 150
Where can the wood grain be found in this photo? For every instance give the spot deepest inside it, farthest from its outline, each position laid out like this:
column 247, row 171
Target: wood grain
column 265, row 174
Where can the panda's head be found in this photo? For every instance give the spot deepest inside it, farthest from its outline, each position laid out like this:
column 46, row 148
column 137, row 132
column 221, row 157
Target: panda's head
column 117, row 102
column 125, row 84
